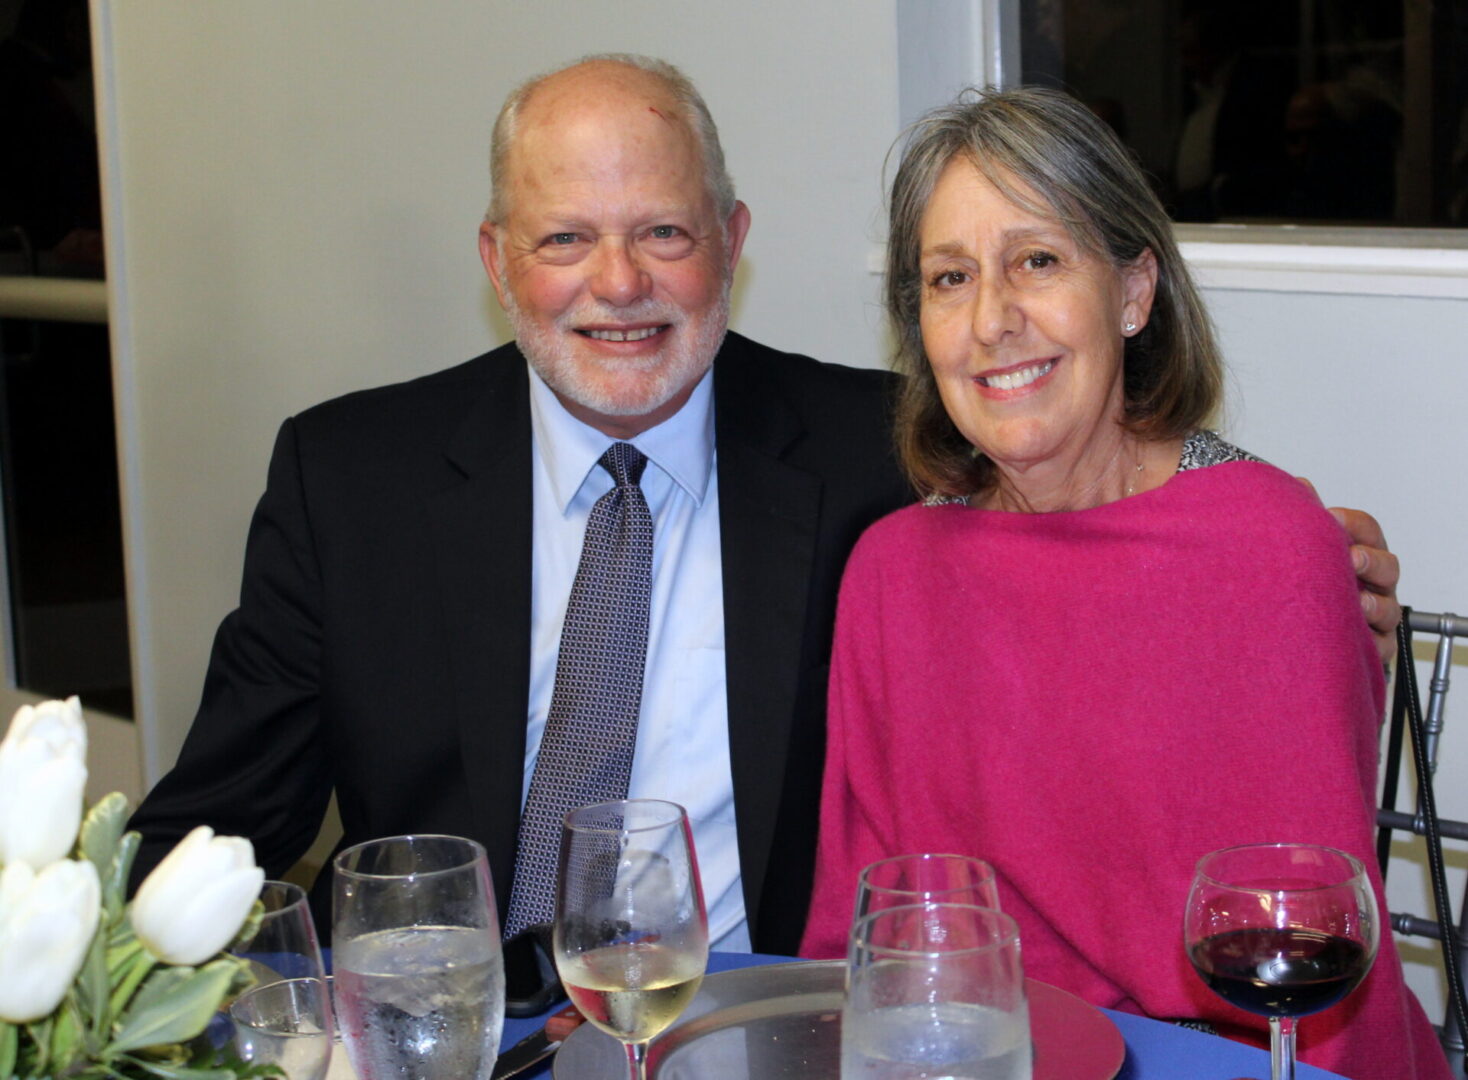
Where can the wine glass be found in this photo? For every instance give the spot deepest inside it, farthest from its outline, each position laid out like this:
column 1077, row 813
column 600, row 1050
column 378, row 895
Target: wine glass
column 925, row 878
column 286, row 1023
column 1283, row 931
column 935, row 990
column 419, row 977
column 284, row 945
column 631, row 935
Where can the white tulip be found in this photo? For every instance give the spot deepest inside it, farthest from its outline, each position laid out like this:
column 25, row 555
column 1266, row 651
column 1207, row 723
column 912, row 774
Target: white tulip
column 195, row 901
column 46, row 923
column 42, row 773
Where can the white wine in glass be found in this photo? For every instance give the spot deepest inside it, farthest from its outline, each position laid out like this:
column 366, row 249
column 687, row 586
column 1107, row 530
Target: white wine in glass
column 631, row 934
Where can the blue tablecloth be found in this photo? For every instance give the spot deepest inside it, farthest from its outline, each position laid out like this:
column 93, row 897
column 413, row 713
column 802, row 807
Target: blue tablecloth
column 1154, row 1050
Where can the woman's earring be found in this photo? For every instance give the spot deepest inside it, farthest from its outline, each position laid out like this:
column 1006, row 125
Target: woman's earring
column 1129, row 327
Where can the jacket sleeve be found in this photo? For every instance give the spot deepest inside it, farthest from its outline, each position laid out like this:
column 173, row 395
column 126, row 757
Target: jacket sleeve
column 255, row 762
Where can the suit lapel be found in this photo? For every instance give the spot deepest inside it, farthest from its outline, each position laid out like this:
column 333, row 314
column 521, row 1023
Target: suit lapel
column 480, row 523
column 768, row 519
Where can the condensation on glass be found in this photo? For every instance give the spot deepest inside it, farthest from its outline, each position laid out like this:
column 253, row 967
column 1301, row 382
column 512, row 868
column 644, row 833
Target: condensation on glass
column 1319, row 112
column 58, row 458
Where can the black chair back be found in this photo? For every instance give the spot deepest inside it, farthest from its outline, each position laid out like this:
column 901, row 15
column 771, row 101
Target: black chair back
column 1425, row 730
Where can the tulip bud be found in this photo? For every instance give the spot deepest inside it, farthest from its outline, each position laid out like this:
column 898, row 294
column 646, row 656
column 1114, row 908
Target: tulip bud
column 42, row 773
column 195, row 901
column 46, row 923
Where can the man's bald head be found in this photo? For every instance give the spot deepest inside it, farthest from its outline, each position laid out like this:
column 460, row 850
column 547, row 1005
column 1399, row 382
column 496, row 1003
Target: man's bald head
column 666, row 88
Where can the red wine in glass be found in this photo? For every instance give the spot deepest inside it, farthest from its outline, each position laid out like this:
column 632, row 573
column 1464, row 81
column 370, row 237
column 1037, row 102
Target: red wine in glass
column 1282, row 931
column 1288, row 972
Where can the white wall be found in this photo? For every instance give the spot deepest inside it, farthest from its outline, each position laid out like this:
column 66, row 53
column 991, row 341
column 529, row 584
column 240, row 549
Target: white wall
column 1366, row 396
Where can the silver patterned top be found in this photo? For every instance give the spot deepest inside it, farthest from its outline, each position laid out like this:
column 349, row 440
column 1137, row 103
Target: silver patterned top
column 1201, row 449
column 1205, row 448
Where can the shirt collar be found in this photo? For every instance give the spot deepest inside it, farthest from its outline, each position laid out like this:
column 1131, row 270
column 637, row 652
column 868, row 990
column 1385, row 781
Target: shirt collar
column 681, row 446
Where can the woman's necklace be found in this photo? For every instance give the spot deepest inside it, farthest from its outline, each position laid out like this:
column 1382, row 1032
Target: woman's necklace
column 1131, row 484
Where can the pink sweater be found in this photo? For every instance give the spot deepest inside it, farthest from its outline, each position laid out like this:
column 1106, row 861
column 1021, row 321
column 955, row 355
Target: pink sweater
column 1092, row 701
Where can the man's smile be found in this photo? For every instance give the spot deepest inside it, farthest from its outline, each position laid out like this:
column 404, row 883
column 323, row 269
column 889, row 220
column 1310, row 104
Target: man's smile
column 632, row 334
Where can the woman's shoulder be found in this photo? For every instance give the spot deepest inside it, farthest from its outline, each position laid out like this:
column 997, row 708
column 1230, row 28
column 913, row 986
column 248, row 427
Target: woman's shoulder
column 891, row 541
column 1208, row 461
column 901, row 527
column 1252, row 495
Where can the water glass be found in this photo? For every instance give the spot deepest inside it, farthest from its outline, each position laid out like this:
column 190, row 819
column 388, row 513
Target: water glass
column 420, row 980
column 286, row 1023
column 925, row 879
column 284, row 945
column 935, row 990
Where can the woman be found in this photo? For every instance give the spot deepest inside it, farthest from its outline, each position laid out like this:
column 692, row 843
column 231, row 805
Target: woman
column 1059, row 662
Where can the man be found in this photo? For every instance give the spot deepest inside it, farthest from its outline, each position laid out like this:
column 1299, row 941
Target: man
column 409, row 565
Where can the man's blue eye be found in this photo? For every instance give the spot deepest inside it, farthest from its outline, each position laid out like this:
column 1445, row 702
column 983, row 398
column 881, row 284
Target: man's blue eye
column 563, row 238
column 664, row 232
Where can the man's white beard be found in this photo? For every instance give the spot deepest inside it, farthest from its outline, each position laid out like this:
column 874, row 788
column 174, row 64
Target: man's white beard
column 639, row 384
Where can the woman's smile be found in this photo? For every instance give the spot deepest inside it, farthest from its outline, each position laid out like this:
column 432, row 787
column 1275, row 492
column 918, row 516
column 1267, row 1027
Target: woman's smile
column 1008, row 382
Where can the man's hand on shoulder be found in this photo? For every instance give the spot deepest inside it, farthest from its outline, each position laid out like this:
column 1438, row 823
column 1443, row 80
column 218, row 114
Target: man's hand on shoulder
column 1377, row 572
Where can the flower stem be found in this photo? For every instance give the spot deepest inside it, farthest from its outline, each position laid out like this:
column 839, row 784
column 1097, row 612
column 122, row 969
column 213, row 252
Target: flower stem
column 141, row 965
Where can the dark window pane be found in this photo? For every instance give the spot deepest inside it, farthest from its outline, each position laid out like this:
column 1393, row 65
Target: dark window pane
column 1309, row 111
column 58, row 462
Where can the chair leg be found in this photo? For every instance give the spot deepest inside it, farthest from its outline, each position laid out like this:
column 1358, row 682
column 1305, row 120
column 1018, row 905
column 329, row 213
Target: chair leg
column 1455, row 1059
column 1451, row 1032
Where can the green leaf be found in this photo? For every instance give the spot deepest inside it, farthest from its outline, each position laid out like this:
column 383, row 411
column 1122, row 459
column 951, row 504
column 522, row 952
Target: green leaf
column 125, row 981
column 229, row 1058
column 123, row 947
column 101, row 829
column 40, row 1033
column 114, row 879
column 183, row 1072
column 93, row 989
column 175, row 1004
column 9, row 1049
column 66, row 1035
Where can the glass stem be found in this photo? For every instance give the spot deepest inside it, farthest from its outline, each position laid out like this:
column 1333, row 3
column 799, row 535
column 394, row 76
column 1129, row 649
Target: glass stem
column 1281, row 1047
column 637, row 1060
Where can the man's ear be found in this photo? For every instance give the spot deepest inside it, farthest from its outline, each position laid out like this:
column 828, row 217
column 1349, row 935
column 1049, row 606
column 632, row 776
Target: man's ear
column 489, row 254
column 736, row 229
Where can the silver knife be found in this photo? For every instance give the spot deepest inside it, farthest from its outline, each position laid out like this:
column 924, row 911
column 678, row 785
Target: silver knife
column 537, row 1046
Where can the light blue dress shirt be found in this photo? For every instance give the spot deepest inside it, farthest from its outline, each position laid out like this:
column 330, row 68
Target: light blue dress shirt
column 683, row 728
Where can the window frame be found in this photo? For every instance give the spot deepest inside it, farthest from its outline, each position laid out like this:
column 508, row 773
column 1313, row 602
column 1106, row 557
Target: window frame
column 944, row 45
column 113, row 759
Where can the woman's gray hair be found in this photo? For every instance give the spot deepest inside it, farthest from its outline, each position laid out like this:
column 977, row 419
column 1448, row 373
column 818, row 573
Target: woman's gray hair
column 690, row 101
column 1033, row 143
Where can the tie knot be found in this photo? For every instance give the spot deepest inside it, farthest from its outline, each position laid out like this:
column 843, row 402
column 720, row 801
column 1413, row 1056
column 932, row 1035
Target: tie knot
column 625, row 462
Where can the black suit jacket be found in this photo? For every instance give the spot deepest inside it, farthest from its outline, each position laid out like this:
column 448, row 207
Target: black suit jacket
column 381, row 645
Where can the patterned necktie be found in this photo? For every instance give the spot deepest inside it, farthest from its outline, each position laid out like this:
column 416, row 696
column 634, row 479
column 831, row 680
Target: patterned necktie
column 586, row 752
